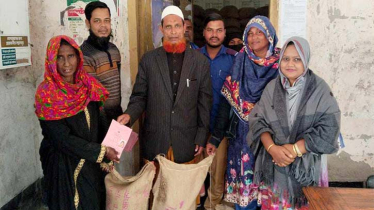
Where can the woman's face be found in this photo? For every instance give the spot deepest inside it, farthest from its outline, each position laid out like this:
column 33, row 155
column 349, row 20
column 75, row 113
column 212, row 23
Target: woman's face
column 291, row 64
column 67, row 62
column 257, row 40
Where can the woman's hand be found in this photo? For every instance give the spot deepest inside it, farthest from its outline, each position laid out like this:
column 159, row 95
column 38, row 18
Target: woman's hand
column 281, row 156
column 210, row 149
column 111, row 154
column 289, row 147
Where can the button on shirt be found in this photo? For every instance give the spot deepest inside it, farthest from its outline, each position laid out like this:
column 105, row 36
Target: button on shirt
column 219, row 68
column 175, row 61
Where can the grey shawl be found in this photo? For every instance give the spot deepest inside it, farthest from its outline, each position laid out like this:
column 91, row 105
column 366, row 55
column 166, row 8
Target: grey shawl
column 317, row 121
column 294, row 92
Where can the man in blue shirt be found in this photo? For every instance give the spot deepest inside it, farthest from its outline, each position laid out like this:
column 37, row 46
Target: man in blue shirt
column 221, row 59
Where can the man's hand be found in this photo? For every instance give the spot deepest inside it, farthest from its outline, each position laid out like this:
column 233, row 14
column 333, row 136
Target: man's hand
column 123, row 119
column 111, row 154
column 198, row 150
column 210, row 149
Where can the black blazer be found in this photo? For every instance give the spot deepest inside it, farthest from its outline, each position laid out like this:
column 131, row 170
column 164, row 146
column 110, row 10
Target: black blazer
column 180, row 124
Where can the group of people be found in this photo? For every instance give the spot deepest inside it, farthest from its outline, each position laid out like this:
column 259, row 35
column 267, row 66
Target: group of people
column 266, row 117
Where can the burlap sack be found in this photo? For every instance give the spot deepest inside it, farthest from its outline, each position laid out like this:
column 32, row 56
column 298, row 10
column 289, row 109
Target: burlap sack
column 264, row 11
column 247, row 13
column 229, row 12
column 230, row 30
column 211, row 10
column 198, row 23
column 232, row 22
column 178, row 185
column 198, row 11
column 130, row 193
column 244, row 22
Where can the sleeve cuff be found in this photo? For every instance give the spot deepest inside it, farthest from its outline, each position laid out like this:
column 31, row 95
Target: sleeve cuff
column 101, row 154
column 131, row 121
column 215, row 141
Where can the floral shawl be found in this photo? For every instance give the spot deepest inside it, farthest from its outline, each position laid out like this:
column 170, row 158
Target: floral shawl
column 250, row 74
column 56, row 99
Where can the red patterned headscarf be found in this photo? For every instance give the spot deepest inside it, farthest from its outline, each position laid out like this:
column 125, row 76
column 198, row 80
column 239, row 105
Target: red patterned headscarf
column 56, row 99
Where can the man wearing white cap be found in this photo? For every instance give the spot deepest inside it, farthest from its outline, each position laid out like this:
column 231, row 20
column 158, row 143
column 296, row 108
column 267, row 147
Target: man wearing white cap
column 173, row 88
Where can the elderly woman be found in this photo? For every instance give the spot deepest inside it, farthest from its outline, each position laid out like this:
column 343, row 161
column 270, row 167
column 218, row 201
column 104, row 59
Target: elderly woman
column 296, row 121
column 67, row 104
column 254, row 66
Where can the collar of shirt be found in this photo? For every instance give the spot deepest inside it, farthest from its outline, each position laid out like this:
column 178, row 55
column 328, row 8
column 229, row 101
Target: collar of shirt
column 221, row 51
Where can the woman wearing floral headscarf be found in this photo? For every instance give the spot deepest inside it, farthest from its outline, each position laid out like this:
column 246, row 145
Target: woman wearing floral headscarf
column 296, row 121
column 254, row 66
column 67, row 104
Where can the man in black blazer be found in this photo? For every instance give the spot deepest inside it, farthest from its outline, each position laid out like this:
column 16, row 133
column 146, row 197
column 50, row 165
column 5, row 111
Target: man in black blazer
column 173, row 88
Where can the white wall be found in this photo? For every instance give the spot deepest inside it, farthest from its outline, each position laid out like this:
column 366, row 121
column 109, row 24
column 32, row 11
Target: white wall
column 20, row 134
column 341, row 35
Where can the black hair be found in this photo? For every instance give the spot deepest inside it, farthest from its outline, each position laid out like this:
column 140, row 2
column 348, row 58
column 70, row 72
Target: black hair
column 64, row 42
column 213, row 17
column 90, row 7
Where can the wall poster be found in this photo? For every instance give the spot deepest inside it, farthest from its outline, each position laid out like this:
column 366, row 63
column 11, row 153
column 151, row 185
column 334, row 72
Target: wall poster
column 73, row 16
column 292, row 19
column 14, row 34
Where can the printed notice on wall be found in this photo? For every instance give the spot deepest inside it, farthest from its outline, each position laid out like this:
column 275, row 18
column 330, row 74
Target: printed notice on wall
column 14, row 34
column 292, row 19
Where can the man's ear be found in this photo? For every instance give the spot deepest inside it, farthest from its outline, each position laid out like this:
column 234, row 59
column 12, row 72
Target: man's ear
column 87, row 24
column 161, row 29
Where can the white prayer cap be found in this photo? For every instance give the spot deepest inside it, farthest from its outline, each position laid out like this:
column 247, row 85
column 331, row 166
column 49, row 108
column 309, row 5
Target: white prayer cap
column 172, row 10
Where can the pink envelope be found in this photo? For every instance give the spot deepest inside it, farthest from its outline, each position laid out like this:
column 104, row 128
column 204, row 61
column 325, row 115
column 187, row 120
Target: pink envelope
column 130, row 144
column 117, row 137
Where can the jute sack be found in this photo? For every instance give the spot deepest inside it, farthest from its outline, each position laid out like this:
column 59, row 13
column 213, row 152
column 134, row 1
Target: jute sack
column 178, row 185
column 130, row 193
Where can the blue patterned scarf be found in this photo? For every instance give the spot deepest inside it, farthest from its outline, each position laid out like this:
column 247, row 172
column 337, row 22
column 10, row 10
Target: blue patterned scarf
column 250, row 74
